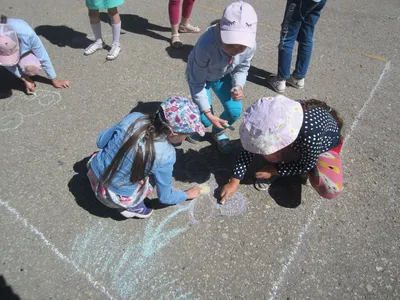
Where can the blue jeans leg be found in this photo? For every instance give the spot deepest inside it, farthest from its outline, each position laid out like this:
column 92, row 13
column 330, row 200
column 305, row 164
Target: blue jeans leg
column 232, row 109
column 311, row 14
column 289, row 30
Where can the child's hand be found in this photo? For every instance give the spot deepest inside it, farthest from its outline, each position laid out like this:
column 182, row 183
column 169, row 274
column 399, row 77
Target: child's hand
column 29, row 85
column 217, row 122
column 229, row 189
column 193, row 192
column 237, row 93
column 266, row 172
column 60, row 83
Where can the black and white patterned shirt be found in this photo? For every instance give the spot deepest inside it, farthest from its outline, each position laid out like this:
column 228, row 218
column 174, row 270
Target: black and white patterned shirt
column 319, row 133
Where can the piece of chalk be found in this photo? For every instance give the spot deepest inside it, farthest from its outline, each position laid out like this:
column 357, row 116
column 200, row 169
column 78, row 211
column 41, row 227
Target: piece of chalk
column 205, row 189
column 226, row 125
column 236, row 89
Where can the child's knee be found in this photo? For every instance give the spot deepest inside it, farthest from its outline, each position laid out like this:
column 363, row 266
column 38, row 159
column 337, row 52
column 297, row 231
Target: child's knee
column 93, row 14
column 113, row 11
column 31, row 70
column 235, row 112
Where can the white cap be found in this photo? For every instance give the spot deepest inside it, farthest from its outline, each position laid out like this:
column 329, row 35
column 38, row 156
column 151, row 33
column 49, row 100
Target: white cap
column 239, row 24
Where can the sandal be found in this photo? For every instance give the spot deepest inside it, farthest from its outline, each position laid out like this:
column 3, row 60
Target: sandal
column 224, row 144
column 263, row 184
column 188, row 28
column 176, row 41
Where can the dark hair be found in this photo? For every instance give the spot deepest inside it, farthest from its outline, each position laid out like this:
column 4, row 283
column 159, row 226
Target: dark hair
column 313, row 103
column 3, row 19
column 141, row 138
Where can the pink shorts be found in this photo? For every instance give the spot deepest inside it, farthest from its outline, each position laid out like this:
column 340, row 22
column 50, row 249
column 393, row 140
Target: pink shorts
column 327, row 175
column 28, row 60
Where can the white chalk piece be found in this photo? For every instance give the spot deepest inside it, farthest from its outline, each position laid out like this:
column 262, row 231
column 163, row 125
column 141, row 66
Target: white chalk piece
column 205, row 189
column 226, row 125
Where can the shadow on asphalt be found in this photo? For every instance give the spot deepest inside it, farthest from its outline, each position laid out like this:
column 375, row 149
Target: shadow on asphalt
column 8, row 83
column 6, row 291
column 79, row 186
column 138, row 25
column 63, row 36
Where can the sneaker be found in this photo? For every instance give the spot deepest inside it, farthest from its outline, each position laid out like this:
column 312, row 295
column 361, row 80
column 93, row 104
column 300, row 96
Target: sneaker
column 140, row 211
column 224, row 144
column 278, row 86
column 263, row 184
column 93, row 48
column 194, row 138
column 296, row 83
column 114, row 52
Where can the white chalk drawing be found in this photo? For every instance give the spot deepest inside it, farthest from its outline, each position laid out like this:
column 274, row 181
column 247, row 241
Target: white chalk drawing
column 206, row 206
column 13, row 111
column 131, row 263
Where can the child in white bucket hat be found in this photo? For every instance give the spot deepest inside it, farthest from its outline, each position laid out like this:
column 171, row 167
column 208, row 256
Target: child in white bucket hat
column 220, row 61
column 23, row 54
column 295, row 137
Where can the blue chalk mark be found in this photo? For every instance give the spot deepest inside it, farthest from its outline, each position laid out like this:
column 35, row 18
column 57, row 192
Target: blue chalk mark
column 154, row 239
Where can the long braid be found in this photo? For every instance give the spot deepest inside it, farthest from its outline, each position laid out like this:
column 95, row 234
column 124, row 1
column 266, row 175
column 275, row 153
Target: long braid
column 139, row 140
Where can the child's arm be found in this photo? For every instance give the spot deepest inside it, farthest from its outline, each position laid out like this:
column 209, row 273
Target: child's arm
column 105, row 136
column 239, row 74
column 40, row 52
column 163, row 178
column 198, row 70
column 242, row 163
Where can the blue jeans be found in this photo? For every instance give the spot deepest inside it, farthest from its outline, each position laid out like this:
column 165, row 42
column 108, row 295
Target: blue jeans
column 298, row 24
column 232, row 109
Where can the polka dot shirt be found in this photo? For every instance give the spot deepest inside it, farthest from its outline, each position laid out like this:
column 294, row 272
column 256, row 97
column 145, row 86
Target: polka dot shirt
column 319, row 133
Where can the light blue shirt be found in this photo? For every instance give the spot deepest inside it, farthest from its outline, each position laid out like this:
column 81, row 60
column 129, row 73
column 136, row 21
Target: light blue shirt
column 208, row 62
column 111, row 140
column 30, row 42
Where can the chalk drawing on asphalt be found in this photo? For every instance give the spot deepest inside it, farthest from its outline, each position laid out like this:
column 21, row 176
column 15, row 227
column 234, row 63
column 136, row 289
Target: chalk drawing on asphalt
column 15, row 110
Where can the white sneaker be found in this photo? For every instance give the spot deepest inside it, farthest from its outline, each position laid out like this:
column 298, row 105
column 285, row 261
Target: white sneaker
column 278, row 86
column 93, row 48
column 297, row 83
column 114, row 52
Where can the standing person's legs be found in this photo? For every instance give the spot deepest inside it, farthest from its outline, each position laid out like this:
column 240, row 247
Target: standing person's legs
column 289, row 30
column 94, row 19
column 173, row 11
column 327, row 176
column 232, row 111
column 116, row 31
column 305, row 37
column 185, row 27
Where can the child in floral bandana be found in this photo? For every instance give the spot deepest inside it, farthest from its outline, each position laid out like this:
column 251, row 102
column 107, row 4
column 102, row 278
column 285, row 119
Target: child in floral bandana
column 140, row 146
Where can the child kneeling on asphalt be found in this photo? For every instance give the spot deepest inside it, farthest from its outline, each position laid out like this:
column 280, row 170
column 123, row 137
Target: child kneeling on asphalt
column 296, row 138
column 138, row 147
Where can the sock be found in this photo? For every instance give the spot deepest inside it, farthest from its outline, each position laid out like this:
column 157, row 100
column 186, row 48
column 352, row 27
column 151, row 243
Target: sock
column 116, row 31
column 96, row 28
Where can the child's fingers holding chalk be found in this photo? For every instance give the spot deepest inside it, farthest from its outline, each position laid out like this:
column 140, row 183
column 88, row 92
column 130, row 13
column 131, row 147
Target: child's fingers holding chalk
column 237, row 93
column 193, row 192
